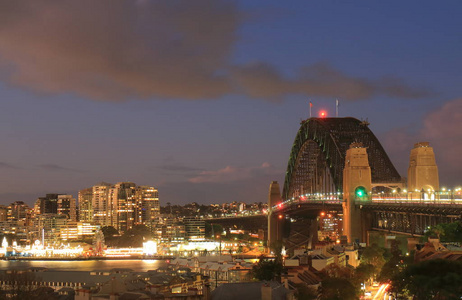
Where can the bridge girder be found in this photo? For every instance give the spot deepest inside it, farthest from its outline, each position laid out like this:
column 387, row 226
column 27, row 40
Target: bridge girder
column 317, row 157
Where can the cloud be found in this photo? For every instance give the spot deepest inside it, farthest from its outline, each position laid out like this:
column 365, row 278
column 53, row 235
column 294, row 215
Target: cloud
column 442, row 128
column 262, row 80
column 116, row 49
column 179, row 168
column 53, row 167
column 122, row 49
column 230, row 173
column 4, row 165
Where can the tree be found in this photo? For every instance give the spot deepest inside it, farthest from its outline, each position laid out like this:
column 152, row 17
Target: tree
column 446, row 232
column 211, row 230
column 344, row 276
column 438, row 230
column 276, row 247
column 373, row 255
column 135, row 236
column 304, row 292
column 267, row 269
column 432, row 279
column 337, row 271
column 394, row 264
column 338, row 289
column 453, row 232
column 109, row 231
column 363, row 273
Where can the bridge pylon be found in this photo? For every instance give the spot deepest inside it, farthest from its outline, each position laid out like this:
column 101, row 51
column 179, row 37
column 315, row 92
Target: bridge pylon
column 274, row 224
column 357, row 188
column 423, row 171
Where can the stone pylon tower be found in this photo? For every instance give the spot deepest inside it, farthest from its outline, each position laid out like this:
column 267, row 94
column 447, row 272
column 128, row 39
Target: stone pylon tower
column 357, row 187
column 274, row 198
column 423, row 171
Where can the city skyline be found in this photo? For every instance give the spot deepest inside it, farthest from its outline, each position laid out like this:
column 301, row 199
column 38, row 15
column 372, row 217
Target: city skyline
column 203, row 100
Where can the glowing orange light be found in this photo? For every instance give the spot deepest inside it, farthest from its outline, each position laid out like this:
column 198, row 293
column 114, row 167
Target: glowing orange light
column 323, row 214
column 323, row 114
column 280, row 216
column 280, row 205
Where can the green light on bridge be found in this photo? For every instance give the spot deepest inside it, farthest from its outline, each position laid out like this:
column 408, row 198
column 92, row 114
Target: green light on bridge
column 360, row 192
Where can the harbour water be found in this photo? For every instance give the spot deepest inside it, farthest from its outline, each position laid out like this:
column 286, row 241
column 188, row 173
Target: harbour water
column 138, row 265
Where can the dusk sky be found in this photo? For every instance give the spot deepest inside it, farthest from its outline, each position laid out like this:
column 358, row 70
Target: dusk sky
column 202, row 99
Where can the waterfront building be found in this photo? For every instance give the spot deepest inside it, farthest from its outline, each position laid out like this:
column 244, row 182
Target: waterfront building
column 169, row 230
column 85, row 205
column 147, row 205
column 122, row 205
column 66, row 206
column 18, row 211
column 122, row 201
column 48, row 227
column 19, row 229
column 195, row 228
column 103, row 208
column 47, row 204
column 59, row 204
column 78, row 230
column 3, row 213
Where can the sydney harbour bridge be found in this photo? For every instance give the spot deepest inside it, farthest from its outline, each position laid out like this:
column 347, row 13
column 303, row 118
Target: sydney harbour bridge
column 338, row 165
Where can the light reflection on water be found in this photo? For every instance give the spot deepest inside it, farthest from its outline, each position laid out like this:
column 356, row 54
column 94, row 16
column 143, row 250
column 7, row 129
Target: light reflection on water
column 84, row 265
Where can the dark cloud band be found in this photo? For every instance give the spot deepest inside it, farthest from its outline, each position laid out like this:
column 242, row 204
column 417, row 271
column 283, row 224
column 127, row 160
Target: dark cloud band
column 123, row 49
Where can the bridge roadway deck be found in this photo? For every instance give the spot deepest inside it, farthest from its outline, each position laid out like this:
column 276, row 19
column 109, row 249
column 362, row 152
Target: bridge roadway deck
column 252, row 223
column 387, row 214
column 431, row 207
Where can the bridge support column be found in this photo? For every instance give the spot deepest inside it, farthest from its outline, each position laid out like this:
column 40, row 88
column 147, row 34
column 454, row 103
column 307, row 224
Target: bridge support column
column 366, row 226
column 274, row 221
column 357, row 186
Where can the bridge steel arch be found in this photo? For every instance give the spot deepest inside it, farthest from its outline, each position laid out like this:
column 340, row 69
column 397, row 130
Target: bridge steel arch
column 317, row 157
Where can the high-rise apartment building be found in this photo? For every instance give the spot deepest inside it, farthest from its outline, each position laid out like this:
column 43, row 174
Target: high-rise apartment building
column 123, row 199
column 3, row 213
column 18, row 211
column 121, row 205
column 58, row 204
column 47, row 204
column 85, row 205
column 102, row 205
column 66, row 206
column 147, row 205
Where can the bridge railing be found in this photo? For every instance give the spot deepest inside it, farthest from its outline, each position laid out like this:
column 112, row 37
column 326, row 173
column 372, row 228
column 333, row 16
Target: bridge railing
column 424, row 202
column 447, row 198
column 411, row 198
column 329, row 198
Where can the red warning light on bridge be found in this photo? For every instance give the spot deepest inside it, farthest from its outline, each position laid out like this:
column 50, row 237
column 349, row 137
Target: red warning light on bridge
column 322, row 114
